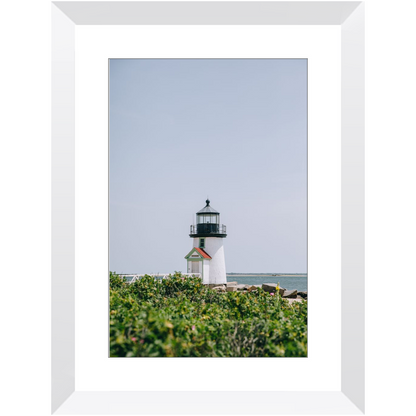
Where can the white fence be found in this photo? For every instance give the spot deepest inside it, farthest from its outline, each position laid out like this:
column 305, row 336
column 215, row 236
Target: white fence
column 130, row 278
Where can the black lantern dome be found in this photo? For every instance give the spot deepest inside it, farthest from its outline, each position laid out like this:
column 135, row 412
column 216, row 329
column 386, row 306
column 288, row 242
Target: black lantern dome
column 208, row 223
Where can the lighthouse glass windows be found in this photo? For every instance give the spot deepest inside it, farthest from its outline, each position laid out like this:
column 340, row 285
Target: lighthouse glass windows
column 208, row 218
column 208, row 223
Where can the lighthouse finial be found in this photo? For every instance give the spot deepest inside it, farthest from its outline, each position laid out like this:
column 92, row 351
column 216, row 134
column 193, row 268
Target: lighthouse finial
column 207, row 201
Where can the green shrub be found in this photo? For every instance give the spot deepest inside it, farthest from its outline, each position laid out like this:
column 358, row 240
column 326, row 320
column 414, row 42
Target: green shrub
column 181, row 317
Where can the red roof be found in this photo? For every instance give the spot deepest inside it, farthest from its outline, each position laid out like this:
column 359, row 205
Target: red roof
column 203, row 253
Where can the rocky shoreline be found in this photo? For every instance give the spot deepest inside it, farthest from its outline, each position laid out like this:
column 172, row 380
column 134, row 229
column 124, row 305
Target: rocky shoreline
column 291, row 295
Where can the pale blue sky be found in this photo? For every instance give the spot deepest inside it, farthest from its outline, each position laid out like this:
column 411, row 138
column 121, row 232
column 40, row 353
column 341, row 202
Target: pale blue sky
column 233, row 130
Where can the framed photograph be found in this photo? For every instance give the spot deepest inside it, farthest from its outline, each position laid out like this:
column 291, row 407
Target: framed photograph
column 330, row 36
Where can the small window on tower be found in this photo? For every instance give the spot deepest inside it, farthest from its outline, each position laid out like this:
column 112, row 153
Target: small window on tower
column 202, row 243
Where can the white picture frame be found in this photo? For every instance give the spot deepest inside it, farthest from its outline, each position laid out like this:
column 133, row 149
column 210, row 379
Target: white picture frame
column 350, row 17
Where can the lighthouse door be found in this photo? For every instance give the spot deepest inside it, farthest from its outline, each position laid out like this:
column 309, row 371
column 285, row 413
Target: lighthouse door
column 195, row 267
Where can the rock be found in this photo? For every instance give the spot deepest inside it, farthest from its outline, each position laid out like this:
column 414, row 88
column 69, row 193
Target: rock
column 253, row 288
column 290, row 294
column 232, row 284
column 304, row 295
column 269, row 287
column 242, row 287
column 212, row 285
column 231, row 288
column 272, row 287
column 219, row 288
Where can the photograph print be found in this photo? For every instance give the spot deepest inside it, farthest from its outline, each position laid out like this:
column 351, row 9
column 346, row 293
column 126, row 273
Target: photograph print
column 208, row 208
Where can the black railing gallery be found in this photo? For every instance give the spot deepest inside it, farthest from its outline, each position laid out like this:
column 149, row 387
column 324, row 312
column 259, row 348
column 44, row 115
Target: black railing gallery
column 208, row 229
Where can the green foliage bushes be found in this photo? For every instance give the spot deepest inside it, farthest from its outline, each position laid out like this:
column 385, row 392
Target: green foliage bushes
column 180, row 317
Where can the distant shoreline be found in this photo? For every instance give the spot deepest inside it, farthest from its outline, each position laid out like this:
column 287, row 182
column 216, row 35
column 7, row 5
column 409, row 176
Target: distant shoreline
column 289, row 281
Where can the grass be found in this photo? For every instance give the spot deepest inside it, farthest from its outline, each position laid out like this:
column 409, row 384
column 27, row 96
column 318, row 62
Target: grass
column 180, row 317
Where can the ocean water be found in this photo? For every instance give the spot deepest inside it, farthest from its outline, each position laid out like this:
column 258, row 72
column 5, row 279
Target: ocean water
column 289, row 282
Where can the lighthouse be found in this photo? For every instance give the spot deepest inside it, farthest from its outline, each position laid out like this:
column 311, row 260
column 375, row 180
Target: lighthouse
column 207, row 254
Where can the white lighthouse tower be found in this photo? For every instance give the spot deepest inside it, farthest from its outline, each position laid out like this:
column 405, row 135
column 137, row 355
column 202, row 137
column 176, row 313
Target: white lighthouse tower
column 207, row 254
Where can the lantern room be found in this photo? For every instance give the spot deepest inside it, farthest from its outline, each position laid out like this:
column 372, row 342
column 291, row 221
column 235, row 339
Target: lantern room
column 208, row 223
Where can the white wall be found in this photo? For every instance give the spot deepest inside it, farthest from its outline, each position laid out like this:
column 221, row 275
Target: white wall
column 216, row 273
column 214, row 246
column 206, row 264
